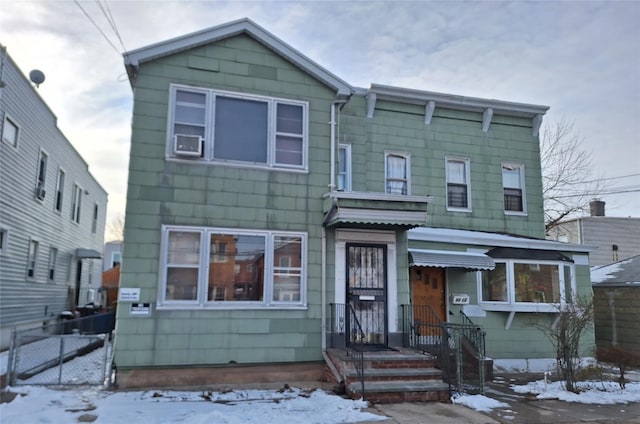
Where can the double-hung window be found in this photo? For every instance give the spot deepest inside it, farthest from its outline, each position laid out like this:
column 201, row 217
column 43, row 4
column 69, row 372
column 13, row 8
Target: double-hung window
column 344, row 167
column 32, row 258
column 53, row 258
column 513, row 186
column 10, row 132
column 59, row 191
column 42, row 175
column 458, row 192
column 219, row 267
column 523, row 285
column 76, row 204
column 237, row 128
column 397, row 173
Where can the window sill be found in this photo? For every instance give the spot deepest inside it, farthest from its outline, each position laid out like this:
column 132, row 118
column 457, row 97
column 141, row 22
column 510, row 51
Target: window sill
column 234, row 307
column 515, row 213
column 297, row 170
column 464, row 210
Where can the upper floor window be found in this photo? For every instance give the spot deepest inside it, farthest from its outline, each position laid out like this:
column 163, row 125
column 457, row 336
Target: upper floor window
column 94, row 221
column 223, row 267
column 458, row 193
column 116, row 258
column 4, row 239
column 344, row 167
column 53, row 257
column 10, row 132
column 32, row 258
column 59, row 190
column 237, row 128
column 397, row 173
column 513, row 186
column 76, row 204
column 42, row 175
column 527, row 285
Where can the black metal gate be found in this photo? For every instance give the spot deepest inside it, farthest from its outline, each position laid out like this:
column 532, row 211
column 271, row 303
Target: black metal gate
column 366, row 278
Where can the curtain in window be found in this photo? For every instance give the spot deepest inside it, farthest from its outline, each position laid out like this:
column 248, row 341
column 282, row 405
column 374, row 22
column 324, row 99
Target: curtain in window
column 396, row 174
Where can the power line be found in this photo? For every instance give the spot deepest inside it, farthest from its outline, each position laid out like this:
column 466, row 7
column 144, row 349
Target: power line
column 612, row 178
column 106, row 11
column 97, row 27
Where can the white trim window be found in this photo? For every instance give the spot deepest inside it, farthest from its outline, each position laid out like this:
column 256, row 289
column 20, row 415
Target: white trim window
column 53, row 259
column 10, row 132
column 59, row 191
column 236, row 128
column 513, row 187
column 76, row 203
column 4, row 240
column 249, row 272
column 94, row 221
column 527, row 286
column 116, row 258
column 32, row 258
column 344, row 167
column 41, row 177
column 397, row 174
column 458, row 184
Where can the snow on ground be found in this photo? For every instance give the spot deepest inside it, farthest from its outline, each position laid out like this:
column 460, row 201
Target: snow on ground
column 478, row 402
column 43, row 405
column 591, row 392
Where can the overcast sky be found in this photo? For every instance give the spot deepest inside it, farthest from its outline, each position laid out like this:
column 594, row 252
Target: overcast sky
column 580, row 58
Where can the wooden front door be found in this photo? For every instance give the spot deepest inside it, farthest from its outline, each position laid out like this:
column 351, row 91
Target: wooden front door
column 427, row 288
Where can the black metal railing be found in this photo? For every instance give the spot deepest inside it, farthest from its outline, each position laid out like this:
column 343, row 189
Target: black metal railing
column 458, row 349
column 340, row 330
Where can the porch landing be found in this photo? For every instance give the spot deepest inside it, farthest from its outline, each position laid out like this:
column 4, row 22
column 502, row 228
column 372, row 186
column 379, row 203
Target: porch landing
column 390, row 376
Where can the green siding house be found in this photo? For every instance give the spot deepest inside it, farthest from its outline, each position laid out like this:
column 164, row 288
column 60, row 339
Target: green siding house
column 270, row 204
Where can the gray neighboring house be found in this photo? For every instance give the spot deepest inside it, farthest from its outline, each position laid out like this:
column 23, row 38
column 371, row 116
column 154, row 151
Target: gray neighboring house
column 52, row 212
column 617, row 238
column 616, row 291
column 112, row 254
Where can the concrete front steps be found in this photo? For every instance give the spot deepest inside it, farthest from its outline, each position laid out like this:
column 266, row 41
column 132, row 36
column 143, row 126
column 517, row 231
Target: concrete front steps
column 390, row 376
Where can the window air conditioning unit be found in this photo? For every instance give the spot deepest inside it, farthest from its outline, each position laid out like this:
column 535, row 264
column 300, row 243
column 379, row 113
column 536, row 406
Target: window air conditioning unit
column 187, row 145
column 40, row 192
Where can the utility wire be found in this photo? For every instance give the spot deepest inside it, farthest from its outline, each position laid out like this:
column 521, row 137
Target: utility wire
column 97, row 27
column 106, row 11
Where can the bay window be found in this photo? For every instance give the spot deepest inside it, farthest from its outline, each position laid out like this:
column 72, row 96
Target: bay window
column 237, row 128
column 217, row 267
column 521, row 285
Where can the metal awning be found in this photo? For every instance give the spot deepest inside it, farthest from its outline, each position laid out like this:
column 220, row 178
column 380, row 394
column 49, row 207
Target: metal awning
column 87, row 253
column 450, row 259
column 348, row 217
column 528, row 254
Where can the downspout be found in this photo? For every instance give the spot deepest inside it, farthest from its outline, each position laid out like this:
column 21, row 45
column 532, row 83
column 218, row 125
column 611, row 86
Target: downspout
column 332, row 187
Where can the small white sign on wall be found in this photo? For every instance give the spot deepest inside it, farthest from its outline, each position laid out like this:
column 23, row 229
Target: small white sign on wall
column 140, row 309
column 460, row 299
column 129, row 294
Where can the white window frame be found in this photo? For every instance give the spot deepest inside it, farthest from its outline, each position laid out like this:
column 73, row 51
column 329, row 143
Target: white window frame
column 10, row 121
column 113, row 259
column 467, row 172
column 32, row 258
column 407, row 179
column 4, row 240
column 58, row 200
column 41, row 175
column 94, row 221
column 204, row 256
column 53, row 259
column 76, row 203
column 520, row 166
column 510, row 305
column 347, row 167
column 208, row 139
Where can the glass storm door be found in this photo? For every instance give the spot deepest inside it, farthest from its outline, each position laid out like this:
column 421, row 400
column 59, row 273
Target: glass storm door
column 366, row 294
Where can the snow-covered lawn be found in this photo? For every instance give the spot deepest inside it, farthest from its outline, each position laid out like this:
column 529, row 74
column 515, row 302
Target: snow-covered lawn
column 291, row 405
column 591, row 392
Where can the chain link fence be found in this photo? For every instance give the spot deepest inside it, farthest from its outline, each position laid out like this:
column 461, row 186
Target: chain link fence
column 68, row 352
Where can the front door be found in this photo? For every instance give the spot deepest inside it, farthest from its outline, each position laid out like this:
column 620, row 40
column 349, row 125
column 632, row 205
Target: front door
column 427, row 289
column 78, row 283
column 366, row 307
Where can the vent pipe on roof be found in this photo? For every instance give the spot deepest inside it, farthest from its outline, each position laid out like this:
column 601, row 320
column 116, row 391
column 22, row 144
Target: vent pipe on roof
column 597, row 207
